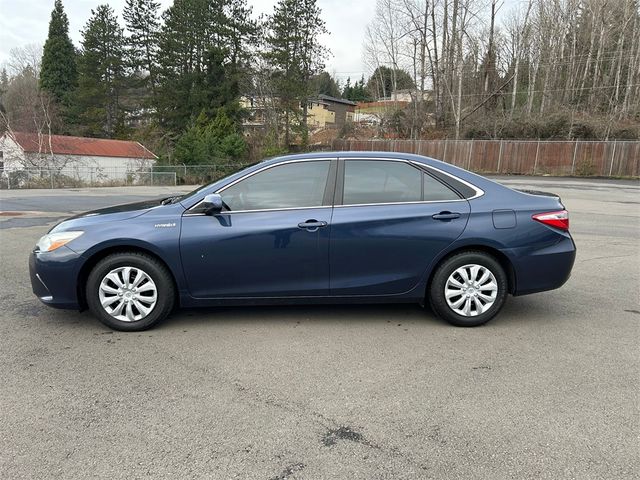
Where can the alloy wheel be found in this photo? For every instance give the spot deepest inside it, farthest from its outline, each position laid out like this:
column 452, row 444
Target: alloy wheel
column 128, row 294
column 471, row 290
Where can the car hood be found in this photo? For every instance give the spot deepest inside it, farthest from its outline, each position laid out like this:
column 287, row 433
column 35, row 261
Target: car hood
column 108, row 214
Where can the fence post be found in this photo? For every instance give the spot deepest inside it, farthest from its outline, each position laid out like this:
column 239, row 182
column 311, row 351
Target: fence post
column 444, row 155
column 51, row 177
column 573, row 162
column 470, row 153
column 535, row 163
column 499, row 158
column 613, row 154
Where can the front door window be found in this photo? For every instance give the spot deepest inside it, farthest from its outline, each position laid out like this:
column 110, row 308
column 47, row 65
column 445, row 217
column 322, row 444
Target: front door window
column 292, row 185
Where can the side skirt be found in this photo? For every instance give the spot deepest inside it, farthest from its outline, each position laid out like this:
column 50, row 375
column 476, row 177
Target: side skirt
column 188, row 301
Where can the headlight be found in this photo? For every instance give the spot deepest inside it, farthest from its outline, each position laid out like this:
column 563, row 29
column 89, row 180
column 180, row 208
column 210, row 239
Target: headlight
column 53, row 241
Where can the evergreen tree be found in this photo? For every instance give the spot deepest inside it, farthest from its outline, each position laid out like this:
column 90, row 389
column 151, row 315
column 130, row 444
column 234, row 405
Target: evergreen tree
column 357, row 92
column 4, row 86
column 296, row 55
column 4, row 81
column 210, row 141
column 221, row 86
column 58, row 74
column 381, row 82
column 142, row 22
column 101, row 67
column 324, row 84
column 347, row 91
column 203, row 52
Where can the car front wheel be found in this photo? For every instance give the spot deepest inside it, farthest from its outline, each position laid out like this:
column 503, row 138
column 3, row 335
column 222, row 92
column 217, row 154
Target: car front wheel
column 468, row 289
column 130, row 291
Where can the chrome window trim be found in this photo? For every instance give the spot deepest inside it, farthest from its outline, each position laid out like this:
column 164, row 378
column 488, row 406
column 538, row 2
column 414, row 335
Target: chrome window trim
column 420, row 166
column 259, row 210
column 478, row 190
column 399, row 203
column 248, row 175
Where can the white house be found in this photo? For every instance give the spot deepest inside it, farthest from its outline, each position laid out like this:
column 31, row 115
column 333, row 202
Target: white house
column 86, row 159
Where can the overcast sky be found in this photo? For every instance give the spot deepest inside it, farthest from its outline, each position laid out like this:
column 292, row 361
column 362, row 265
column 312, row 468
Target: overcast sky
column 26, row 22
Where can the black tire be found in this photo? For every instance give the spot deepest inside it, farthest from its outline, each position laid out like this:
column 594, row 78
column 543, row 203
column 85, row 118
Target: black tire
column 154, row 269
column 436, row 294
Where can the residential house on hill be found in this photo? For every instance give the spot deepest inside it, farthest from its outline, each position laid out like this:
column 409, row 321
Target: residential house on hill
column 322, row 111
column 319, row 115
column 343, row 109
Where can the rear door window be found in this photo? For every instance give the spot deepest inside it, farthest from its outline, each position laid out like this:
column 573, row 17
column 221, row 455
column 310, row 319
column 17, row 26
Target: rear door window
column 387, row 181
column 379, row 181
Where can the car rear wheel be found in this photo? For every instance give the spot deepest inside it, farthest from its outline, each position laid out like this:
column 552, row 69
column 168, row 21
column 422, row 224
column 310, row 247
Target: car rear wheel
column 130, row 291
column 468, row 289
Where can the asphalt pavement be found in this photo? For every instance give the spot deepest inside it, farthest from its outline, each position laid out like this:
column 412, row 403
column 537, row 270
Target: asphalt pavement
column 548, row 389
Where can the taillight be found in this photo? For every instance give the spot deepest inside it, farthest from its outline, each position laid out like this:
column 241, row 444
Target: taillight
column 559, row 219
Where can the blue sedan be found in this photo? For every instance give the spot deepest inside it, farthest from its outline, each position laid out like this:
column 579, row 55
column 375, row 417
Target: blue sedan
column 341, row 227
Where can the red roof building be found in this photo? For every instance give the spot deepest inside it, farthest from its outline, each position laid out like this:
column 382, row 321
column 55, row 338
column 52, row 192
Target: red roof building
column 88, row 161
column 82, row 146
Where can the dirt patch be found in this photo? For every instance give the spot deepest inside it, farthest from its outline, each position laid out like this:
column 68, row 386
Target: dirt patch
column 288, row 471
column 343, row 433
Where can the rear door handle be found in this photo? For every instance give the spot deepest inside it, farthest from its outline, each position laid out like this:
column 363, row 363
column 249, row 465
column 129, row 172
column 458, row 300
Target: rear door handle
column 312, row 225
column 445, row 216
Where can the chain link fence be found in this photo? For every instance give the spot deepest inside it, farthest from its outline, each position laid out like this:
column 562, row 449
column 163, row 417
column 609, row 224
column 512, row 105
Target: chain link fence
column 82, row 176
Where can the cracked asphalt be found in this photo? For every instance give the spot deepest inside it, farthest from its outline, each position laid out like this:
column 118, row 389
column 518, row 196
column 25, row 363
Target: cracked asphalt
column 548, row 389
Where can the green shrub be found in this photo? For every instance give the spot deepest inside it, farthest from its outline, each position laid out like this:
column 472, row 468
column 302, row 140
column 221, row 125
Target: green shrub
column 207, row 142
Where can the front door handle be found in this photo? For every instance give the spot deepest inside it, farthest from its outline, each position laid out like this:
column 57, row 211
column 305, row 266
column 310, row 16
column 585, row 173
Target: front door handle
column 445, row 216
column 312, row 225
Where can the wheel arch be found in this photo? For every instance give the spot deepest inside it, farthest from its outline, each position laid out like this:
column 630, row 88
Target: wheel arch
column 98, row 255
column 502, row 259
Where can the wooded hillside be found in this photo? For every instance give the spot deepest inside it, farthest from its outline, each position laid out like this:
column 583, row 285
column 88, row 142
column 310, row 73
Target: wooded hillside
column 186, row 81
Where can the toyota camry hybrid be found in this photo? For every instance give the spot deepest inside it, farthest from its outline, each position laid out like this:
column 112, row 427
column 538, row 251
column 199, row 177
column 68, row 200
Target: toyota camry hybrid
column 343, row 227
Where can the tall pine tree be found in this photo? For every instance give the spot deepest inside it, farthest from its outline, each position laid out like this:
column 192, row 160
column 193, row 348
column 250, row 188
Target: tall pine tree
column 142, row 22
column 142, row 25
column 324, row 84
column 4, row 86
column 202, row 52
column 102, row 75
column 296, row 55
column 357, row 92
column 58, row 74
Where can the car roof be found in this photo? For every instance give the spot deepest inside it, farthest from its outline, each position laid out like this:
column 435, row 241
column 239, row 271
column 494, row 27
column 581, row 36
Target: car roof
column 358, row 154
column 447, row 167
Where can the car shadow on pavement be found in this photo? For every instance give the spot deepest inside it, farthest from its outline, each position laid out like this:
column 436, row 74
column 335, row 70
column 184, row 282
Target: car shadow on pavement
column 319, row 314
column 516, row 311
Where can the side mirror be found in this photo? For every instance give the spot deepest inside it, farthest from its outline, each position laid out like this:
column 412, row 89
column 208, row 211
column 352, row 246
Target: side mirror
column 211, row 204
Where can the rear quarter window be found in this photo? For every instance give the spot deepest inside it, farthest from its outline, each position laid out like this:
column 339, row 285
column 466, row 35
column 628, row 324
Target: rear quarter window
column 464, row 190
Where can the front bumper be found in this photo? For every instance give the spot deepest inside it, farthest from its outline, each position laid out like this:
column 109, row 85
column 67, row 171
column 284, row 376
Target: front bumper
column 54, row 277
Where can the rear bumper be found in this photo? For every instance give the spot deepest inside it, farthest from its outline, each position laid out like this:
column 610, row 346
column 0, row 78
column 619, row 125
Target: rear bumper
column 53, row 277
column 547, row 268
